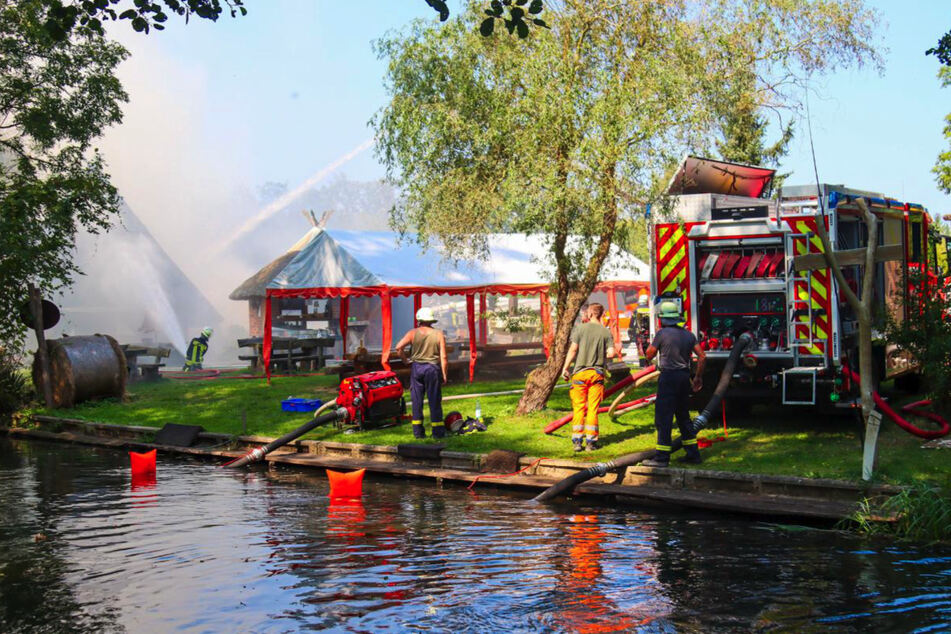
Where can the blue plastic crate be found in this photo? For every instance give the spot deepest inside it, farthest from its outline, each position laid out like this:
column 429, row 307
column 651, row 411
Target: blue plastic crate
column 300, row 404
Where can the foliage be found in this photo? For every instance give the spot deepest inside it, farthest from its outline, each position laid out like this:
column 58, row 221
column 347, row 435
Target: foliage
column 515, row 321
column 517, row 16
column 743, row 127
column 942, row 167
column 942, row 50
column 63, row 17
column 926, row 335
column 15, row 390
column 56, row 98
column 576, row 128
column 921, row 514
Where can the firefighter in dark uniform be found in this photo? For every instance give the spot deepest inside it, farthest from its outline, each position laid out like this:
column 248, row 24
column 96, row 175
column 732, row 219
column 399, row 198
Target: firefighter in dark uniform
column 197, row 347
column 428, row 372
column 674, row 344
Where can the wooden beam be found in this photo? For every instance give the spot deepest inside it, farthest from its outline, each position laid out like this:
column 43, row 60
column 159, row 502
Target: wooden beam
column 851, row 257
column 36, row 307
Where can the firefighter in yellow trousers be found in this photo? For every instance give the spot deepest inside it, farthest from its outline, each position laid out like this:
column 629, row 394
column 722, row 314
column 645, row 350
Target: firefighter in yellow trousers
column 591, row 346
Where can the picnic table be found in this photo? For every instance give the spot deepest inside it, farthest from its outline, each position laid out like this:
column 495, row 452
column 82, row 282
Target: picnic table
column 139, row 368
column 288, row 353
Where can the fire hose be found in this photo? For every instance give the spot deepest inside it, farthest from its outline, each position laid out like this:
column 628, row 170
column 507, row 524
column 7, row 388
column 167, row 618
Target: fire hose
column 603, row 468
column 319, row 418
column 620, row 385
column 911, row 408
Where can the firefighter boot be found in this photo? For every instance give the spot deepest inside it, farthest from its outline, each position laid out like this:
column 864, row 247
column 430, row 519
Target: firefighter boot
column 692, row 457
column 578, row 444
column 591, row 445
column 439, row 430
column 418, row 430
column 659, row 459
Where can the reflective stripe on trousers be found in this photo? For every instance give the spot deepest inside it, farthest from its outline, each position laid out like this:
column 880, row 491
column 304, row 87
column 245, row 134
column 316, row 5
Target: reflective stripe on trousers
column 587, row 390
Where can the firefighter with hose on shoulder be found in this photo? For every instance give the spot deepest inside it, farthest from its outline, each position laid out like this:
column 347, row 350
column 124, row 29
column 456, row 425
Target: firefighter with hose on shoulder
column 197, row 347
column 591, row 346
column 674, row 345
column 428, row 371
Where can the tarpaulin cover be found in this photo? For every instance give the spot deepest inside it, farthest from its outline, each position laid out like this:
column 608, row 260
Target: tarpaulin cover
column 707, row 176
column 326, row 260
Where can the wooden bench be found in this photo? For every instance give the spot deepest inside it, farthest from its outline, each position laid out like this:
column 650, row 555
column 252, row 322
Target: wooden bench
column 150, row 371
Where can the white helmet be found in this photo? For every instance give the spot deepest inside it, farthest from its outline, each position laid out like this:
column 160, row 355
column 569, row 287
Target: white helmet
column 207, row 331
column 425, row 314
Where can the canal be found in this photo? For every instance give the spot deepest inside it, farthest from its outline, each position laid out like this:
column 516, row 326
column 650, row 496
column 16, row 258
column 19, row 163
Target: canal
column 83, row 547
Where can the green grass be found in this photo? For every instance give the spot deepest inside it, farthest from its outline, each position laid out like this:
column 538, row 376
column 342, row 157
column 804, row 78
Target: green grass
column 784, row 441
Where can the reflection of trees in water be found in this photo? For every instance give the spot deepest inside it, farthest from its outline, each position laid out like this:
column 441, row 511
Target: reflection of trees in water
column 35, row 593
column 739, row 574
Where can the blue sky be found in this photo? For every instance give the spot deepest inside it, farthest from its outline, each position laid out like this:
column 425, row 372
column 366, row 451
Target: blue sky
column 218, row 109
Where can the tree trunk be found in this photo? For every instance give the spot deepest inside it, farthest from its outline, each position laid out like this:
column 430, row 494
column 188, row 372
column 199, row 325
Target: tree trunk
column 866, row 369
column 541, row 381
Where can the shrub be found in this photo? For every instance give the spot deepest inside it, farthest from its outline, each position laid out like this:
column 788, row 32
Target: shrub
column 15, row 388
column 921, row 514
column 926, row 335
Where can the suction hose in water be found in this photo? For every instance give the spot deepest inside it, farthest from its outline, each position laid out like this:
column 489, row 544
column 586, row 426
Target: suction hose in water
column 631, row 459
column 703, row 419
column 599, row 470
column 319, row 419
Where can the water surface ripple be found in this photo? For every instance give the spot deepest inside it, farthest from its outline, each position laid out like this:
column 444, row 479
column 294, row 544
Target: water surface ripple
column 83, row 547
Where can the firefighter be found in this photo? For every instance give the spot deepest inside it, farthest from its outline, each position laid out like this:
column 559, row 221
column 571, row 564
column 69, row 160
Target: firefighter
column 591, row 346
column 428, row 357
column 675, row 345
column 197, row 347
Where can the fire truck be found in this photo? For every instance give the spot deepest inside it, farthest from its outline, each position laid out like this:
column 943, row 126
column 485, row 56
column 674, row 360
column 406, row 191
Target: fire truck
column 739, row 259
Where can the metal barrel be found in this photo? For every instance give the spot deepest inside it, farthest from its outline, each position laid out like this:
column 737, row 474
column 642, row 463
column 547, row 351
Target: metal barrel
column 83, row 368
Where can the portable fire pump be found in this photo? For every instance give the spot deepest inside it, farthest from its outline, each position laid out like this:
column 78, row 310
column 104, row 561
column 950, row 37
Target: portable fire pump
column 739, row 261
column 362, row 401
column 371, row 399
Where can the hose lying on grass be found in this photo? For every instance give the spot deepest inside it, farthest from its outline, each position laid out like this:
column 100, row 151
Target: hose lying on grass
column 911, row 408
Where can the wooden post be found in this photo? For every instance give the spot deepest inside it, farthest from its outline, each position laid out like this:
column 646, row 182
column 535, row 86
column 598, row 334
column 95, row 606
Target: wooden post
column 36, row 306
column 871, row 440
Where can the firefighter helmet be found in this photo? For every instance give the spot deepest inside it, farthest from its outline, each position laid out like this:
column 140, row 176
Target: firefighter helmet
column 454, row 422
column 425, row 314
column 206, row 331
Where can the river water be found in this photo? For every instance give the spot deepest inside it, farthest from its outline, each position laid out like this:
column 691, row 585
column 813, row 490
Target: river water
column 83, row 547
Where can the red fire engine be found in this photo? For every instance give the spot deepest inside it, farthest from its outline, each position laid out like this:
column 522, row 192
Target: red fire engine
column 740, row 261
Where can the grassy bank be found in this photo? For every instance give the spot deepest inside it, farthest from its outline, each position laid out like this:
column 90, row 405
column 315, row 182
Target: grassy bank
column 784, row 441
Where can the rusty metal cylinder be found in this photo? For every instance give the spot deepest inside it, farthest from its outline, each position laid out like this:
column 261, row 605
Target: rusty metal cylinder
column 83, row 368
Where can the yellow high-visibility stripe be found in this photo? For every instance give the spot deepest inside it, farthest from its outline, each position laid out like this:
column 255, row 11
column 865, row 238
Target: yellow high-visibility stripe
column 663, row 448
column 692, row 441
column 670, row 243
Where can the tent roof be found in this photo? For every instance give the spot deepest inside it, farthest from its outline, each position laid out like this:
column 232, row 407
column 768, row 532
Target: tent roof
column 708, row 176
column 325, row 259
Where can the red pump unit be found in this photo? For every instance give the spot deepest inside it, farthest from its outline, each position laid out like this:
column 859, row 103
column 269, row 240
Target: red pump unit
column 371, row 399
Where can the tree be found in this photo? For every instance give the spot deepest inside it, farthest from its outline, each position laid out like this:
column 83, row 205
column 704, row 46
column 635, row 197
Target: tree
column 569, row 131
column 56, row 98
column 63, row 17
column 862, row 304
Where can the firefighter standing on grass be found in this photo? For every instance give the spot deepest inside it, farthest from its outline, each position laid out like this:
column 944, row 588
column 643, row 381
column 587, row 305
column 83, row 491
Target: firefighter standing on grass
column 674, row 345
column 197, row 347
column 591, row 346
column 428, row 357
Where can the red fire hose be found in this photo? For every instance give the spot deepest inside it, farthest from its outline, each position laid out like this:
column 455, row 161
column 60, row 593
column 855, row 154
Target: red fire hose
column 620, row 385
column 911, row 408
